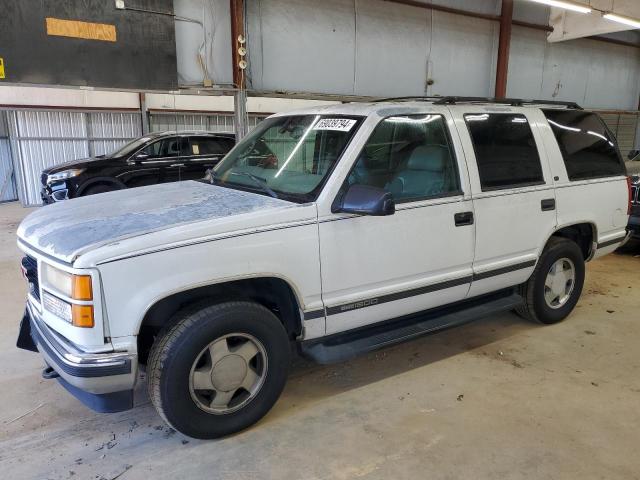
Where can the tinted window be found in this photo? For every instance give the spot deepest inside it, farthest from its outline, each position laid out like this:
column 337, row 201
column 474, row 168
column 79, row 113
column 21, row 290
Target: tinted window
column 209, row 146
column 409, row 156
column 587, row 146
column 506, row 152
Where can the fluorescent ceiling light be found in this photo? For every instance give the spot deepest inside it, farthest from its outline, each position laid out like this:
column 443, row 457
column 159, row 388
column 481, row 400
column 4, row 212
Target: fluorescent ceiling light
column 620, row 19
column 567, row 5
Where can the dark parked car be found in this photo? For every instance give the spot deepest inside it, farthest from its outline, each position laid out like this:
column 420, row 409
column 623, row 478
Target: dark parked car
column 154, row 158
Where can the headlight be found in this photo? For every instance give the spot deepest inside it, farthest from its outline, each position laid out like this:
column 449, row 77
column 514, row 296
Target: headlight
column 74, row 287
column 56, row 177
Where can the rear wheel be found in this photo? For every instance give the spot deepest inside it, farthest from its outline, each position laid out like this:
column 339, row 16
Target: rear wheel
column 553, row 290
column 219, row 369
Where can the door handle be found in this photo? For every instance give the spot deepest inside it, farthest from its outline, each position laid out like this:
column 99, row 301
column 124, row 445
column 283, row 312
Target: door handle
column 177, row 165
column 548, row 204
column 463, row 218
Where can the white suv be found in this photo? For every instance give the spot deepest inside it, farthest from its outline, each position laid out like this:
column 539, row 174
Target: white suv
column 337, row 229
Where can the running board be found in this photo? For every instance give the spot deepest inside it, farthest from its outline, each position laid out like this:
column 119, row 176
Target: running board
column 346, row 345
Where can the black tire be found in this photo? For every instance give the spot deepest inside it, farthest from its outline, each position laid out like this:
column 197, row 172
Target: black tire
column 100, row 188
column 535, row 307
column 176, row 349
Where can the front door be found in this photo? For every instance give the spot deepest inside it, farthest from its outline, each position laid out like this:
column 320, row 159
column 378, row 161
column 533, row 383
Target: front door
column 158, row 162
column 378, row 268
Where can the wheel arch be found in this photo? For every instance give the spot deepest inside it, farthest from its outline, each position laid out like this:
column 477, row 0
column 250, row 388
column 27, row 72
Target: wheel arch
column 584, row 234
column 100, row 181
column 274, row 293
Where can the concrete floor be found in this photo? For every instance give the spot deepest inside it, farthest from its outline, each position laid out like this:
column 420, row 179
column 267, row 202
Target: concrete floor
column 500, row 398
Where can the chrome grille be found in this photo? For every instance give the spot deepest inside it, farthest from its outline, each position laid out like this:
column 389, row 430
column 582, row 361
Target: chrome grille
column 30, row 270
column 635, row 192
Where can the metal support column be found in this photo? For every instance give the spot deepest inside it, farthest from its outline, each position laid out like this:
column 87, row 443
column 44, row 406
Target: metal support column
column 144, row 113
column 238, row 56
column 504, row 43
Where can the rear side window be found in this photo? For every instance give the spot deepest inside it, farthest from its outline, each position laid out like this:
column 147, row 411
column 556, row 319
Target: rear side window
column 209, row 146
column 588, row 147
column 505, row 149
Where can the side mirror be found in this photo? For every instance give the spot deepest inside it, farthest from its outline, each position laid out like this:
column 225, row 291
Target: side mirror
column 139, row 157
column 366, row 200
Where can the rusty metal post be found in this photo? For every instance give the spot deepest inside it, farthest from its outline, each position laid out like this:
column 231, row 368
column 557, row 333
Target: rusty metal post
column 238, row 46
column 504, row 44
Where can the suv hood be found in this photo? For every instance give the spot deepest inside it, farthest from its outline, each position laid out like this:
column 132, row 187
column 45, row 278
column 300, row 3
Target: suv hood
column 79, row 162
column 66, row 230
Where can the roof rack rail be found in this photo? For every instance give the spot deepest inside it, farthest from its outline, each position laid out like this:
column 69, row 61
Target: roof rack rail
column 408, row 99
column 453, row 100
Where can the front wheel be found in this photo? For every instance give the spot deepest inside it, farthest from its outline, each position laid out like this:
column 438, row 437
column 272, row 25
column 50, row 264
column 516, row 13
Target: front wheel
column 100, row 188
column 219, row 368
column 553, row 290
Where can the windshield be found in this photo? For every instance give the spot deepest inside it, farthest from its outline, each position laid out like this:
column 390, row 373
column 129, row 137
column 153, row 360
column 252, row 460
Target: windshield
column 287, row 156
column 130, row 147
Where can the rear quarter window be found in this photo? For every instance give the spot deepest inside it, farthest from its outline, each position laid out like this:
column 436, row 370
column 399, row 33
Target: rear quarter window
column 588, row 148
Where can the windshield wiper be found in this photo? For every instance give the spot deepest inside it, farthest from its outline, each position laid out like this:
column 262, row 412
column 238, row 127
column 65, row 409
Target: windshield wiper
column 259, row 182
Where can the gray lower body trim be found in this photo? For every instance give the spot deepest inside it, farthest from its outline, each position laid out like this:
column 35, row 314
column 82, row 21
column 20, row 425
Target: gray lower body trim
column 608, row 243
column 392, row 297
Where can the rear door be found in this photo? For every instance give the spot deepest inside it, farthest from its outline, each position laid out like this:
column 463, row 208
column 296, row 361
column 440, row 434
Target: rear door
column 204, row 152
column 513, row 192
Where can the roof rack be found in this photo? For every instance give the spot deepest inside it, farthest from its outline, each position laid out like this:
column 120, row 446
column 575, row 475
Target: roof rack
column 452, row 100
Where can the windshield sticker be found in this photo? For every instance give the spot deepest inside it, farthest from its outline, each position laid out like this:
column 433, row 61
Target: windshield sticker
column 338, row 124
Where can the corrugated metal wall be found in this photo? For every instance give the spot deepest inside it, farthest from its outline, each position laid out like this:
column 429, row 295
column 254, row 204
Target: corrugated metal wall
column 43, row 138
column 212, row 122
column 624, row 125
column 7, row 177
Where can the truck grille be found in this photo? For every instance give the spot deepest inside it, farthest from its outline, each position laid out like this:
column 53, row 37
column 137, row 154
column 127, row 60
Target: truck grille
column 30, row 270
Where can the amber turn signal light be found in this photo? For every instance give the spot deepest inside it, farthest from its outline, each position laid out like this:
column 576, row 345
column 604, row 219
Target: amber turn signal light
column 81, row 289
column 82, row 316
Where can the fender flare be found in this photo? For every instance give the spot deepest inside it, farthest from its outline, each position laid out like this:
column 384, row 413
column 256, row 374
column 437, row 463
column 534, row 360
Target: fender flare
column 594, row 239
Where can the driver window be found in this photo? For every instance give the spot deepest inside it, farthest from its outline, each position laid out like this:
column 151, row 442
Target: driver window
column 167, row 147
column 409, row 156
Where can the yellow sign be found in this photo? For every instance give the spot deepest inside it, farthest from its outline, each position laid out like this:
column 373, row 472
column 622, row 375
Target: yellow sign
column 1, row 68
column 78, row 29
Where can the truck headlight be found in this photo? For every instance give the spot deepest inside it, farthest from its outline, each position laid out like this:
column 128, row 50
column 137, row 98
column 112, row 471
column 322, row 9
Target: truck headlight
column 56, row 177
column 74, row 287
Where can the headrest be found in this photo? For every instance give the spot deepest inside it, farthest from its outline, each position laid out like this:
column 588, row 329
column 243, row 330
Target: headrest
column 428, row 157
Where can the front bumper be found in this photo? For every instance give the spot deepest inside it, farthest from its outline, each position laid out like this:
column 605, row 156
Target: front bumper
column 102, row 381
column 52, row 195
